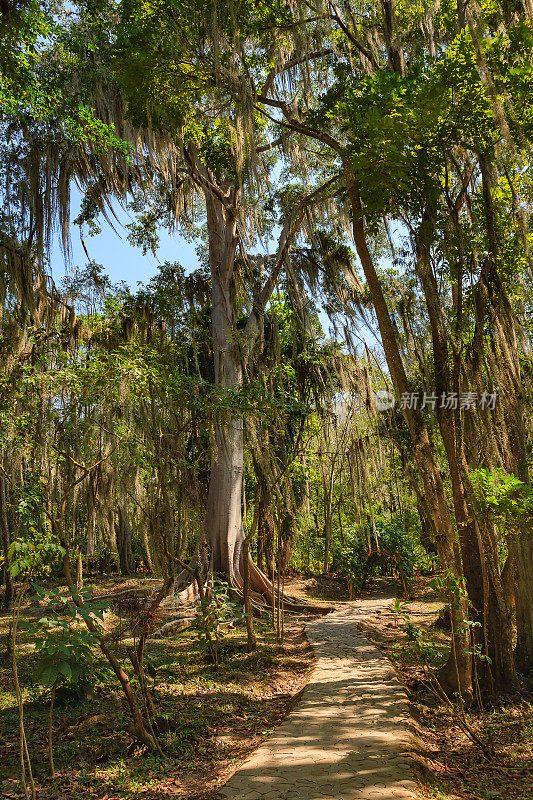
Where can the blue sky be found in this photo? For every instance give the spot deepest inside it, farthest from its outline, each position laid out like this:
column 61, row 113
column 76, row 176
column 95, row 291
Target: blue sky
column 121, row 261
column 124, row 262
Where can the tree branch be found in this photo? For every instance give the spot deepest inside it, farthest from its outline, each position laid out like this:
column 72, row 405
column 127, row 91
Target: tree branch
column 298, row 127
column 294, row 62
column 205, row 182
column 336, row 17
column 290, row 229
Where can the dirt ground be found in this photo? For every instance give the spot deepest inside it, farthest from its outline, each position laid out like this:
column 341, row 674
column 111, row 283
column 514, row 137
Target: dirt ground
column 213, row 719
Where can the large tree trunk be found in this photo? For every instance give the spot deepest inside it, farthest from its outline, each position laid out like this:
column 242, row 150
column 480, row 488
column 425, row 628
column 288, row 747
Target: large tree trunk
column 224, row 515
column 231, row 348
column 223, row 521
column 457, row 674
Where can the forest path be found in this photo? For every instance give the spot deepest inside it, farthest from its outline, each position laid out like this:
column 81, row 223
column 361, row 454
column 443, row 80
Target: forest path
column 347, row 738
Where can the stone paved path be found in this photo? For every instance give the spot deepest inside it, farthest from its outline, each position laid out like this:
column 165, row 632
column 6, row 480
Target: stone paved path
column 346, row 739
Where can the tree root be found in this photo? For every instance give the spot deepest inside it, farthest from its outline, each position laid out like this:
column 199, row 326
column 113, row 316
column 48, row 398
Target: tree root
column 176, row 625
column 260, row 608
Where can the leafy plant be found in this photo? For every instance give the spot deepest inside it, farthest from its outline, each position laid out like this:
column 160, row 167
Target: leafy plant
column 217, row 609
column 395, row 555
column 508, row 499
column 65, row 654
column 31, row 557
column 352, row 564
column 425, row 653
column 419, row 644
column 64, row 646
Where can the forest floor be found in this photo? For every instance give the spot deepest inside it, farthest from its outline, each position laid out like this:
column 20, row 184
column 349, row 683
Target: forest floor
column 457, row 768
column 215, row 719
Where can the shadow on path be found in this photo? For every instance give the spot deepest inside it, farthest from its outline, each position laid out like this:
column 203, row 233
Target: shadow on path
column 347, row 738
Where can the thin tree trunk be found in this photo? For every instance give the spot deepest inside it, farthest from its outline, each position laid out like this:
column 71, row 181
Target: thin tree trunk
column 251, row 638
column 479, row 558
column 91, row 533
column 328, row 514
column 9, row 591
column 392, row 39
column 50, row 732
column 79, row 573
column 147, row 549
column 265, row 521
column 91, row 515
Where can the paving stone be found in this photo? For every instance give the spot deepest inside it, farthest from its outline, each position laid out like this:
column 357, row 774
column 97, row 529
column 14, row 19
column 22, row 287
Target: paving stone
column 346, row 740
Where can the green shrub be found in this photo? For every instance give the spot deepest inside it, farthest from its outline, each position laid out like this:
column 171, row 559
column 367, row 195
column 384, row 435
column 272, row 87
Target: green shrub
column 396, row 554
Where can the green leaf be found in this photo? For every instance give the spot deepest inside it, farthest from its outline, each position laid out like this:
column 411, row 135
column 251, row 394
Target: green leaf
column 65, row 669
column 49, row 676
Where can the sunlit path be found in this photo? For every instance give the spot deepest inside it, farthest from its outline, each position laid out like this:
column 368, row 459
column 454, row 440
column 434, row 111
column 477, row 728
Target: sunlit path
column 346, row 739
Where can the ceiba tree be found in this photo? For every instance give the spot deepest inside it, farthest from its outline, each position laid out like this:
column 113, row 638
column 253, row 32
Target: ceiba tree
column 178, row 84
